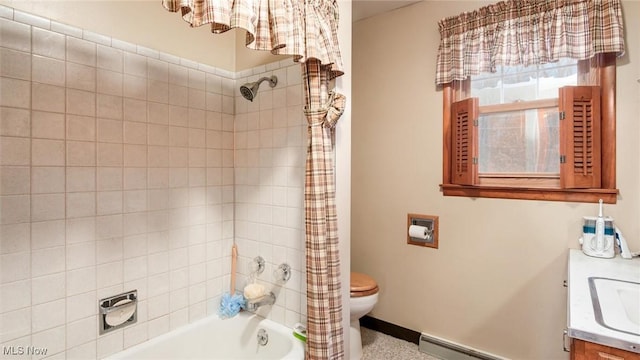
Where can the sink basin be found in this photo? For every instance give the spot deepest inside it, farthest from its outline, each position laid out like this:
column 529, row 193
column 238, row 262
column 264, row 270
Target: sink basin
column 616, row 304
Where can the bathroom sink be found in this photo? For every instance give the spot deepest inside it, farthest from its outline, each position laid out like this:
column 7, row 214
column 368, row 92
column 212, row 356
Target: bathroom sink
column 616, row 304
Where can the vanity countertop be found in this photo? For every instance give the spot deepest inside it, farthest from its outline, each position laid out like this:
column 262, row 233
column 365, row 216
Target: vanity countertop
column 581, row 319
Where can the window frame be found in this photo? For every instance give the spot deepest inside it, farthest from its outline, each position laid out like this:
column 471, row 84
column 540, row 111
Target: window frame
column 600, row 70
column 541, row 180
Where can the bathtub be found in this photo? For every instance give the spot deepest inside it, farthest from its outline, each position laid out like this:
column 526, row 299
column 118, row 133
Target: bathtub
column 214, row 338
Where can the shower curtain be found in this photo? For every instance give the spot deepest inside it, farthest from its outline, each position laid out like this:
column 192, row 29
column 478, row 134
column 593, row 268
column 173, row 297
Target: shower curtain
column 306, row 29
column 324, row 307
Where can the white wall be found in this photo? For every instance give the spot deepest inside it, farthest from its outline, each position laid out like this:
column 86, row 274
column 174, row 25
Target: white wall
column 495, row 283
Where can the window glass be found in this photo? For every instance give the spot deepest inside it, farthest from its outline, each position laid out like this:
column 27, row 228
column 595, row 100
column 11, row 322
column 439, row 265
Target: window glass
column 517, row 83
column 524, row 141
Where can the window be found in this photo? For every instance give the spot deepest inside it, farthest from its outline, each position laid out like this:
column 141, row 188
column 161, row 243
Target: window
column 518, row 119
column 542, row 132
column 509, row 135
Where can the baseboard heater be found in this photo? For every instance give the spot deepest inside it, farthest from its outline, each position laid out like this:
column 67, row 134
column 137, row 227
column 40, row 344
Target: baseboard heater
column 445, row 349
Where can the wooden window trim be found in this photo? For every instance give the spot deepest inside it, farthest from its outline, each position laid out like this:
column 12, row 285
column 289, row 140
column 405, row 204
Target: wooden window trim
column 518, row 106
column 603, row 72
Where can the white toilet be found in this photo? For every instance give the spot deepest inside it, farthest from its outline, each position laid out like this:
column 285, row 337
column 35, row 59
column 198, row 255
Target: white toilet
column 364, row 296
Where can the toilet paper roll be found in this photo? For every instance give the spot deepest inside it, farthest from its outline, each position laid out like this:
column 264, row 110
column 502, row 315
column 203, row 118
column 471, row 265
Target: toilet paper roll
column 419, row 232
column 126, row 308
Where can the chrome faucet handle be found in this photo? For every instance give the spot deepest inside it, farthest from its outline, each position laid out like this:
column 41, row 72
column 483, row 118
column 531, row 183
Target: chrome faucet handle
column 282, row 273
column 256, row 267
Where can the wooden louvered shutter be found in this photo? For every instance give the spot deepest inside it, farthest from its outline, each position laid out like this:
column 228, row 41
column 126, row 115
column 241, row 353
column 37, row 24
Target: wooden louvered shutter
column 580, row 155
column 464, row 142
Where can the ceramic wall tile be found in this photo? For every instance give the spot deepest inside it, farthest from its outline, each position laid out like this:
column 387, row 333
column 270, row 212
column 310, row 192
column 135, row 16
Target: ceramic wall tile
column 15, row 92
column 15, row 64
column 109, row 82
column 48, row 43
column 118, row 168
column 158, row 113
column 110, row 58
column 81, row 51
column 48, row 70
column 109, row 130
column 15, row 35
column 109, row 106
column 81, row 77
column 135, row 64
column 81, row 102
column 47, row 234
column 82, row 331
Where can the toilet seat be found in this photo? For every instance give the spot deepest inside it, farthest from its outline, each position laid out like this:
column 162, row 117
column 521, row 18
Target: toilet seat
column 362, row 285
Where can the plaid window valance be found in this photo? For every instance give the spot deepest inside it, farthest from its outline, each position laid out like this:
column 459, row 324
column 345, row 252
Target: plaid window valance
column 527, row 32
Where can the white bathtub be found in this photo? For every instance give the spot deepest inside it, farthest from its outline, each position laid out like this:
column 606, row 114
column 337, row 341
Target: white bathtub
column 214, row 338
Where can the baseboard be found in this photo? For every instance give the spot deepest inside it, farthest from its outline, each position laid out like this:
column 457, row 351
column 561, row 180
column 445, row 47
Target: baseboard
column 445, row 349
column 390, row 329
column 428, row 344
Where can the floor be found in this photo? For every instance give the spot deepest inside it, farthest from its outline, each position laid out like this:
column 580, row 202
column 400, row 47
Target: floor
column 379, row 346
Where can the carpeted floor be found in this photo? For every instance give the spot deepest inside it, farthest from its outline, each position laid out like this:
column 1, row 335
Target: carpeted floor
column 379, row 346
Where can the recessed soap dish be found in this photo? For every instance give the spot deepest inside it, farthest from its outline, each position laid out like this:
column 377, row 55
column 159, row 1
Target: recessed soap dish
column 118, row 311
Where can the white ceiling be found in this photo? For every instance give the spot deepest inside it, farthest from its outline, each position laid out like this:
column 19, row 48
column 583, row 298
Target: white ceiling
column 362, row 9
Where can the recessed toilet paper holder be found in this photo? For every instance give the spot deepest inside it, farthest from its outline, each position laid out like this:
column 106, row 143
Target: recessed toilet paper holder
column 118, row 311
column 427, row 234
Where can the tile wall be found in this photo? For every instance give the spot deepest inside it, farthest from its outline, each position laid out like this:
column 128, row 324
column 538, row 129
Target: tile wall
column 117, row 173
column 270, row 153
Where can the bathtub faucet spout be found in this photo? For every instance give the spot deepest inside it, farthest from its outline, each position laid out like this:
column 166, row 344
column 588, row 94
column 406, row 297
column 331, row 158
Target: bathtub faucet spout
column 254, row 304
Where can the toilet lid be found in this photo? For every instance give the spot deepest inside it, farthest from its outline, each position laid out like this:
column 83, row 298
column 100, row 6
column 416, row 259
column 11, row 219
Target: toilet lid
column 362, row 285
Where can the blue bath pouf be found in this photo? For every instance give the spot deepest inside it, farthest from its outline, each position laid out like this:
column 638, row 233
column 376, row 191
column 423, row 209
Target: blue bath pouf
column 230, row 305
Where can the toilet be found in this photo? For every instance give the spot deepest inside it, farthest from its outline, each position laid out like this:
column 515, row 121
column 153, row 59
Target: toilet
column 364, row 296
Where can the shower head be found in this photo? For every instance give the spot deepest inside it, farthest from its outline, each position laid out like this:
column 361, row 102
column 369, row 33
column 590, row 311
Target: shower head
column 250, row 90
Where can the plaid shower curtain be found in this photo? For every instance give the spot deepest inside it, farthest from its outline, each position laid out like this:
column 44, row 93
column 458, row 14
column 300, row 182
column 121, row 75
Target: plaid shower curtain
column 306, row 29
column 324, row 306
